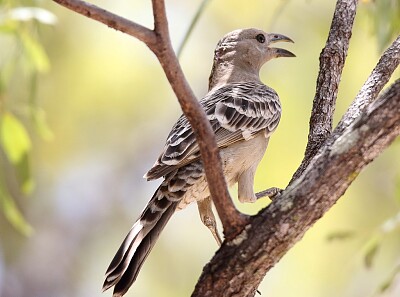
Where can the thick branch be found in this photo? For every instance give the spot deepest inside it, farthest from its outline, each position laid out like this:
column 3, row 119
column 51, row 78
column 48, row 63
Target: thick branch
column 159, row 42
column 240, row 265
column 332, row 59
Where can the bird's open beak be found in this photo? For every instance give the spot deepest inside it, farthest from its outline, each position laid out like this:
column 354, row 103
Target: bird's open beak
column 280, row 52
column 274, row 37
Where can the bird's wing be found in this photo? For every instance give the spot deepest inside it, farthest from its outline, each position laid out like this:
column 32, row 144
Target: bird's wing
column 236, row 112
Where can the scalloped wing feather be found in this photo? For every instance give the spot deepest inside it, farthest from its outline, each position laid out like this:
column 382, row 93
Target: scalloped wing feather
column 236, row 111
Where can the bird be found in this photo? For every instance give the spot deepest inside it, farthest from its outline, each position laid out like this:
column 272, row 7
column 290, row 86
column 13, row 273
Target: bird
column 243, row 113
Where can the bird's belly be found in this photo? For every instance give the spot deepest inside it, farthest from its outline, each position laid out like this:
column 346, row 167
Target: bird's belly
column 240, row 156
column 235, row 160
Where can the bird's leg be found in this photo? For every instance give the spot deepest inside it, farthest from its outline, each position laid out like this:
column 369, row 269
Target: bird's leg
column 272, row 193
column 208, row 218
column 246, row 184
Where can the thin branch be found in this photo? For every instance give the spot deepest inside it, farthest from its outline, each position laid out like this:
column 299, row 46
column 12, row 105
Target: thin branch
column 278, row 12
column 238, row 267
column 232, row 220
column 379, row 77
column 160, row 20
column 332, row 60
column 189, row 31
column 111, row 20
column 159, row 42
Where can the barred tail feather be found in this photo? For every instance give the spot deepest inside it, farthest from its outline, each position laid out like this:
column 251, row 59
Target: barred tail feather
column 118, row 264
column 137, row 245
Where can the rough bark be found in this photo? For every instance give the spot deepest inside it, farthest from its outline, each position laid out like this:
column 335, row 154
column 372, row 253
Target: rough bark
column 332, row 60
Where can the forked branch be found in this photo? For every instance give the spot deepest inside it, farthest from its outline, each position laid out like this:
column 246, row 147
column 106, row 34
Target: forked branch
column 238, row 268
column 332, row 60
column 158, row 40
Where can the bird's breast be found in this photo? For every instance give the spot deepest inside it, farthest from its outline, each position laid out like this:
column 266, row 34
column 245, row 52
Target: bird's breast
column 243, row 155
column 236, row 158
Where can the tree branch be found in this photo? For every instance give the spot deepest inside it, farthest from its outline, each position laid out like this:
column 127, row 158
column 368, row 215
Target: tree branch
column 376, row 81
column 160, row 19
column 189, row 31
column 239, row 266
column 232, row 220
column 158, row 40
column 111, row 20
column 332, row 60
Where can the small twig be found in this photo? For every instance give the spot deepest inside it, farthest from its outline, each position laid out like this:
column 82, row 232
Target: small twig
column 111, row 20
column 278, row 12
column 332, row 60
column 160, row 20
column 379, row 77
column 194, row 21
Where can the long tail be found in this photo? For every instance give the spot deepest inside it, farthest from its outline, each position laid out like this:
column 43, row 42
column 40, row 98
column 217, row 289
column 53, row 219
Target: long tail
column 137, row 245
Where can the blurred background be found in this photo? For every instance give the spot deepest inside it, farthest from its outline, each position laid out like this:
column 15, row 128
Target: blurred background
column 85, row 111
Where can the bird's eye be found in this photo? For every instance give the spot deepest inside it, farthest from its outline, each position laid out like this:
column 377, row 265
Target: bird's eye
column 260, row 38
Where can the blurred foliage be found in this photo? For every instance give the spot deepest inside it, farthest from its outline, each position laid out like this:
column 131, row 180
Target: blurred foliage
column 341, row 235
column 384, row 18
column 193, row 23
column 23, row 59
column 386, row 285
column 375, row 239
column 391, row 227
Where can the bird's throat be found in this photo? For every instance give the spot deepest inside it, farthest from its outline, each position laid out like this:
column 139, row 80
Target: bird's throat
column 229, row 72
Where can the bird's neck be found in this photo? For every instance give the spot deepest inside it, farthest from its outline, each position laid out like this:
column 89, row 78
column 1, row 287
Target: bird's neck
column 224, row 72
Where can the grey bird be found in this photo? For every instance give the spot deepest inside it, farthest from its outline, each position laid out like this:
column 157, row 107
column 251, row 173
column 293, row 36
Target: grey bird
column 243, row 113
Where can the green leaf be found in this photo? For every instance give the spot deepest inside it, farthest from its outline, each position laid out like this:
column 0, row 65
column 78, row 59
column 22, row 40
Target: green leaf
column 389, row 282
column 12, row 214
column 341, row 235
column 8, row 27
column 385, row 19
column 397, row 190
column 14, row 138
column 41, row 126
column 35, row 53
column 23, row 171
column 6, row 73
column 28, row 186
column 371, row 250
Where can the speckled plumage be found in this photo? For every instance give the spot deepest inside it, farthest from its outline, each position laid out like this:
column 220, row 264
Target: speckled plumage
column 236, row 111
column 243, row 113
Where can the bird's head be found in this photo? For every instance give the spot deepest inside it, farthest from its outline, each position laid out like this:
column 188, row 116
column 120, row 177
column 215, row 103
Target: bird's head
column 247, row 50
column 252, row 46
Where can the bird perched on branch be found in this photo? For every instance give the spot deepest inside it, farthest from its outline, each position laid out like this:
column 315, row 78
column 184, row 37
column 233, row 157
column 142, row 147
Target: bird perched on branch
column 243, row 113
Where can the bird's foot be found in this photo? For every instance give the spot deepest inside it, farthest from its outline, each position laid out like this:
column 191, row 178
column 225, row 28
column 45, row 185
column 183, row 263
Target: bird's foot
column 272, row 193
